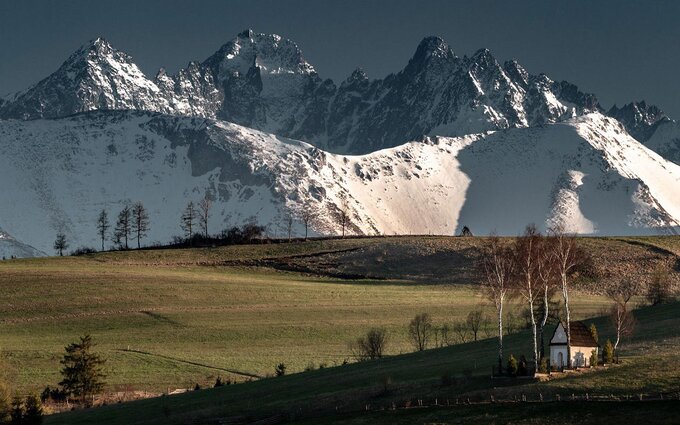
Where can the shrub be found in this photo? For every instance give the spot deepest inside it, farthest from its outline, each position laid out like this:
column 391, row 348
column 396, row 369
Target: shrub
column 16, row 412
column 280, row 369
column 197, row 387
column 543, row 365
column 33, row 411
column 420, row 331
column 83, row 250
column 5, row 403
column 522, row 367
column 593, row 358
column 218, row 382
column 608, row 352
column 512, row 366
column 371, row 346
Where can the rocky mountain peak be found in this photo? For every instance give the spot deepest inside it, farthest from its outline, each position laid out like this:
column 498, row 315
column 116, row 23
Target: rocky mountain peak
column 639, row 118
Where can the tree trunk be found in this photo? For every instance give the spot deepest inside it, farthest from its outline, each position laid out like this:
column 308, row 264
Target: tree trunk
column 534, row 334
column 500, row 337
column 544, row 320
column 565, row 294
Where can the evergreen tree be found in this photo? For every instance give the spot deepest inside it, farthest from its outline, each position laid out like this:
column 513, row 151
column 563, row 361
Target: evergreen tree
column 33, row 411
column 82, row 371
column 188, row 218
column 60, row 244
column 140, row 222
column 123, row 226
column 513, row 367
column 608, row 352
column 103, row 226
column 593, row 332
column 16, row 413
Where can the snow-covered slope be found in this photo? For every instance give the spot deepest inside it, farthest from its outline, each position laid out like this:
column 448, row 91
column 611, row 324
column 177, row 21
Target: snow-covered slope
column 263, row 81
column 586, row 173
column 12, row 248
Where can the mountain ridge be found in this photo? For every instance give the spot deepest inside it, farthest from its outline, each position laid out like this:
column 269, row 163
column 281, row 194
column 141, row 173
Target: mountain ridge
column 263, row 81
column 577, row 173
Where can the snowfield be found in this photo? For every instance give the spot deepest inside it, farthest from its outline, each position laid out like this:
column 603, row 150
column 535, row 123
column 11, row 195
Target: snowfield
column 586, row 173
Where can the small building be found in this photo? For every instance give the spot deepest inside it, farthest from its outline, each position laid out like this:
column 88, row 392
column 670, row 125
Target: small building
column 582, row 346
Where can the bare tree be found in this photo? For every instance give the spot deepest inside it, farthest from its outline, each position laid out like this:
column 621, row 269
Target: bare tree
column 289, row 226
column 527, row 283
column 140, row 222
column 546, row 273
column 307, row 216
column 620, row 316
column 499, row 265
column 60, row 244
column 659, row 287
column 103, row 226
column 123, row 226
column 420, row 330
column 344, row 213
column 568, row 257
column 188, row 219
column 204, row 206
column 371, row 346
column 445, row 335
column 474, row 322
column 460, row 329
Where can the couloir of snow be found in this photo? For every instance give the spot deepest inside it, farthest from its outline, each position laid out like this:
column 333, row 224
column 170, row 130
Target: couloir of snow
column 585, row 173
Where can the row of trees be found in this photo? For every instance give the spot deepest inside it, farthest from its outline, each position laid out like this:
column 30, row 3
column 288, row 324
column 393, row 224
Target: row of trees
column 533, row 268
column 133, row 223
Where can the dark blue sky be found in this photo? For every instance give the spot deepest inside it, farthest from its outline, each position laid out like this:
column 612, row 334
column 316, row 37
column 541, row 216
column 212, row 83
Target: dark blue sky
column 620, row 50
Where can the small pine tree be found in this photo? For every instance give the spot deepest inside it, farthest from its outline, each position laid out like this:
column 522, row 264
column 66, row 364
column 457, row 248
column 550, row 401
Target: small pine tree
column 218, row 382
column 593, row 358
column 82, row 370
column 188, row 218
column 608, row 352
column 280, row 369
column 60, row 244
column 543, row 365
column 512, row 365
column 33, row 413
column 16, row 413
column 593, row 332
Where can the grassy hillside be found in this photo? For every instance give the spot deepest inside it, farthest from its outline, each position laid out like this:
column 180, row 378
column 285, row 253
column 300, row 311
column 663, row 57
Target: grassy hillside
column 339, row 394
column 168, row 319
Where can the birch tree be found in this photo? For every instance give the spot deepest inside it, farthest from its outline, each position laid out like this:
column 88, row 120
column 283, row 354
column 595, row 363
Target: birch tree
column 527, row 283
column 568, row 257
column 499, row 265
column 620, row 316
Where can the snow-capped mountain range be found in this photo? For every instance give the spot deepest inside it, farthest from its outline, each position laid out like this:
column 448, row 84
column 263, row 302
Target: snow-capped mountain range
column 446, row 142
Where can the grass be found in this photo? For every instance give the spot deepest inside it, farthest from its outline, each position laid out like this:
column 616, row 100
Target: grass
column 168, row 319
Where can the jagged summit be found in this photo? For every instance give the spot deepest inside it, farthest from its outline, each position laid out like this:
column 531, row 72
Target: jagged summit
column 640, row 118
column 270, row 53
column 263, row 81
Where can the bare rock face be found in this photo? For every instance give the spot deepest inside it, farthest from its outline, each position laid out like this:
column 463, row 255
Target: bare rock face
column 263, row 81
